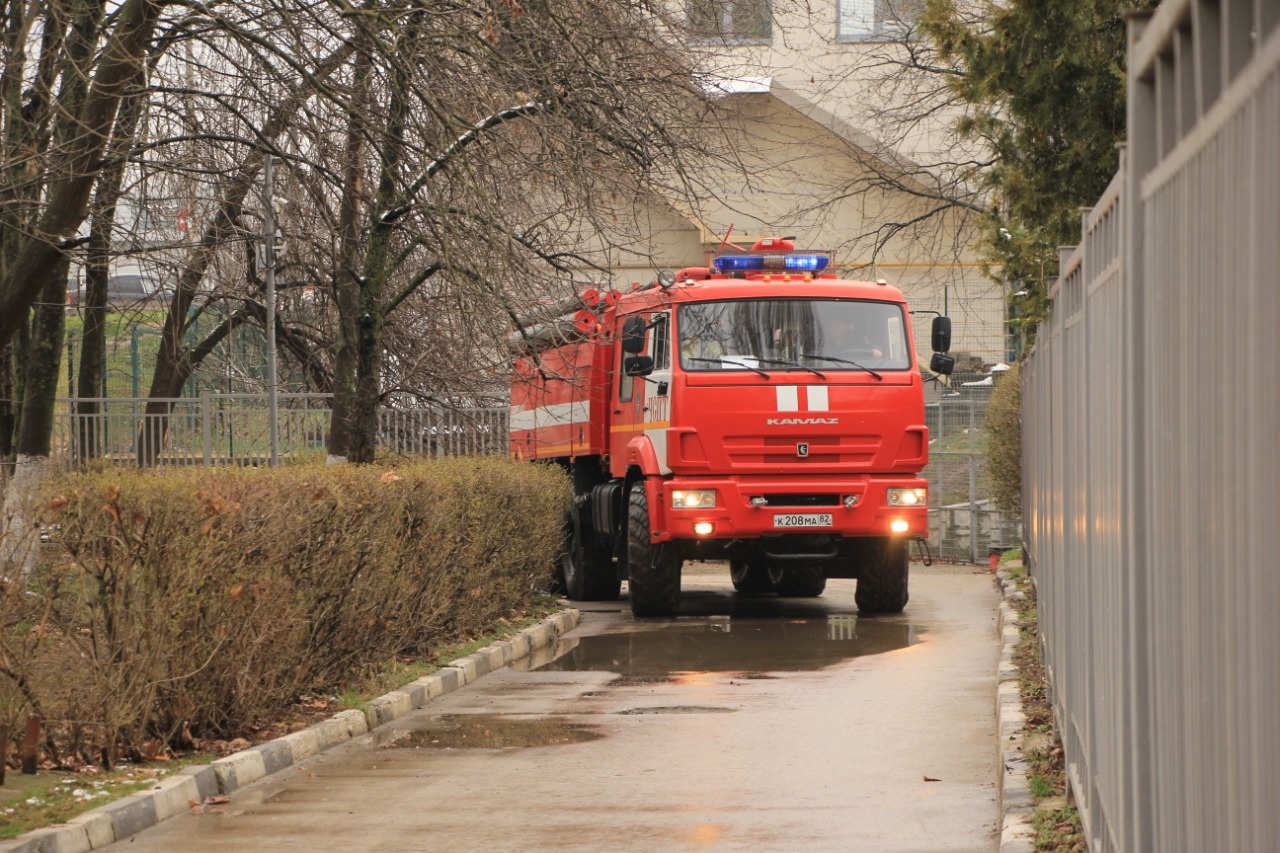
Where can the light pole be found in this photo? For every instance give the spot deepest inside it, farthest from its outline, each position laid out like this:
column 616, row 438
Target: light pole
column 269, row 262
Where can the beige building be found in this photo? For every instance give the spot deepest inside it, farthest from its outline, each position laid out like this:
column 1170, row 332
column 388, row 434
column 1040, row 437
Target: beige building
column 815, row 97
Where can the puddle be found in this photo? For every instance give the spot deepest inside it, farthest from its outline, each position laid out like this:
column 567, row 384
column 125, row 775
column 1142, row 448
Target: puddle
column 749, row 648
column 678, row 709
column 485, row 731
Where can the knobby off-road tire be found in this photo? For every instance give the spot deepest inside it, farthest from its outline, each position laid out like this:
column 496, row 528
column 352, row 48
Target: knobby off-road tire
column 653, row 569
column 882, row 576
column 753, row 575
column 802, row 579
column 586, row 565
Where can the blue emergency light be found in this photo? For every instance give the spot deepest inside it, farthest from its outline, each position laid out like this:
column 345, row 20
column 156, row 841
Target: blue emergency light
column 789, row 262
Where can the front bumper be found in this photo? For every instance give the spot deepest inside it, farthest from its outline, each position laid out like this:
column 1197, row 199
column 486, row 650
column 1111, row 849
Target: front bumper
column 749, row 508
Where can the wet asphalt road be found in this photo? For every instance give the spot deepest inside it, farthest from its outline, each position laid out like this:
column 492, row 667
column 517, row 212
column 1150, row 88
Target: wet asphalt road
column 745, row 724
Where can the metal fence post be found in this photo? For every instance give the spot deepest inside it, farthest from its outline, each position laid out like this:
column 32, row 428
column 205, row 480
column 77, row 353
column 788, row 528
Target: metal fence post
column 974, row 523
column 206, row 426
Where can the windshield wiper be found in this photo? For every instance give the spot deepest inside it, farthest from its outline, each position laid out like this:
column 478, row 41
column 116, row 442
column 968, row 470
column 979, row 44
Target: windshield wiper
column 789, row 363
column 750, row 367
column 841, row 361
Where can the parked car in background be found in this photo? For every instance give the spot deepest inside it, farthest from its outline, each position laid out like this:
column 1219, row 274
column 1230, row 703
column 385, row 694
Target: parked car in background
column 127, row 289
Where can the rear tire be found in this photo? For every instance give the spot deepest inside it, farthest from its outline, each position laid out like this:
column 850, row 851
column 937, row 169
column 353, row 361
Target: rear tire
column 753, row 575
column 653, row 569
column 586, row 566
column 882, row 576
column 802, row 579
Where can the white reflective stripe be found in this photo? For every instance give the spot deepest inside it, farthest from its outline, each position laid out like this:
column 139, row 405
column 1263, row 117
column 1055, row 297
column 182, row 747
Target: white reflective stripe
column 560, row 414
column 788, row 398
column 817, row 398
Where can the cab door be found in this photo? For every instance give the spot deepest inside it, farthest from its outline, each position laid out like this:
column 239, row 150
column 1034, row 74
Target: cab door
column 656, row 411
column 641, row 405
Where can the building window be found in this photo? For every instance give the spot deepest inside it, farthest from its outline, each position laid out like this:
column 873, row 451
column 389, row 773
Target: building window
column 739, row 20
column 866, row 20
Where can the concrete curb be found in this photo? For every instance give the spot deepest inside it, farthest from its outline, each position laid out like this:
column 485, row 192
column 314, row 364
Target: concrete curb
column 191, row 787
column 1016, row 805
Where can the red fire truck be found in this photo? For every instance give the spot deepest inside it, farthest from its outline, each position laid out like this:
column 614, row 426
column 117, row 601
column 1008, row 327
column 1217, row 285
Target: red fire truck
column 760, row 410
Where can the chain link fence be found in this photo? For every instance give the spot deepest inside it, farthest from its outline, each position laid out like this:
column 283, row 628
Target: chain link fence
column 964, row 522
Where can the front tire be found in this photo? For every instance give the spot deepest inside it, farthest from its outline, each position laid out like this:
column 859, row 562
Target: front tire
column 653, row 569
column 882, row 576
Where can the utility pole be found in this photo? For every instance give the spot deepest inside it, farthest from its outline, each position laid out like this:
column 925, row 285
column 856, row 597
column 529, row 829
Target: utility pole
column 269, row 262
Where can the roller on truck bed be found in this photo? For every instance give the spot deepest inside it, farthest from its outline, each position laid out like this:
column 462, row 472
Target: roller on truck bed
column 760, row 410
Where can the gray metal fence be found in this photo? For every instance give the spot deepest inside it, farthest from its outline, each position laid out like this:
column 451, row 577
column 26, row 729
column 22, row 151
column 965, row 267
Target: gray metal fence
column 234, row 429
column 1150, row 466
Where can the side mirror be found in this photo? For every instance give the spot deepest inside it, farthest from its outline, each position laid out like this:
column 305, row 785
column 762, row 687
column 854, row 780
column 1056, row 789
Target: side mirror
column 633, row 336
column 637, row 365
column 941, row 334
column 942, row 364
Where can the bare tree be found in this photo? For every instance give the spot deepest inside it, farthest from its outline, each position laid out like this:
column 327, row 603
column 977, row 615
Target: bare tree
column 97, row 58
column 56, row 131
column 488, row 146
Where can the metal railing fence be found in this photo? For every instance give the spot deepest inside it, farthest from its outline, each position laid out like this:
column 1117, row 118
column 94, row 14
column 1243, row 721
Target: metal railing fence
column 1149, row 456
column 234, row 429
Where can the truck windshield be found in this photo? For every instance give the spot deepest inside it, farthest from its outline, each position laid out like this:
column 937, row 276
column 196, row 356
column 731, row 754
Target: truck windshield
column 793, row 334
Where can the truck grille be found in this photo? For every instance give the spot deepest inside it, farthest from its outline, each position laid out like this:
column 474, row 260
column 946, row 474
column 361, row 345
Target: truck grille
column 853, row 450
column 801, row 500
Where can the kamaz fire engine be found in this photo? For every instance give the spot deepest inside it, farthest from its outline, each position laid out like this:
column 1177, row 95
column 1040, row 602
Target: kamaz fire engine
column 759, row 410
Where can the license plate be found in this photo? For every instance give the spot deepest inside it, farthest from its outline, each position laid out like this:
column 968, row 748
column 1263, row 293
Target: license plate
column 803, row 519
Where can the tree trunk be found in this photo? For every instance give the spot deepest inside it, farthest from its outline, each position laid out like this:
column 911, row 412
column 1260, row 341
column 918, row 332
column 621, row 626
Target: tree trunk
column 346, row 281
column 379, row 263
column 93, row 343
column 35, row 430
column 8, row 409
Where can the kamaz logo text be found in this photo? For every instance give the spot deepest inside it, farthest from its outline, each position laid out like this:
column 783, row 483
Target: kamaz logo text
column 800, row 421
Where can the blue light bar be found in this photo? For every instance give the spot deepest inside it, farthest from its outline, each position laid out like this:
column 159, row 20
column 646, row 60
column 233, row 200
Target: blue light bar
column 807, row 263
column 751, row 263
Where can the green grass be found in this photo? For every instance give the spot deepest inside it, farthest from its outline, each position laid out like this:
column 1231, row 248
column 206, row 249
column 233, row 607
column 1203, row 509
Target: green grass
column 49, row 797
column 1059, row 831
column 1040, row 787
column 1058, row 828
column 123, row 330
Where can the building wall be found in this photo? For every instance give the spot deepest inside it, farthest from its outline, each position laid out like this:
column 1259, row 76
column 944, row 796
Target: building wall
column 799, row 172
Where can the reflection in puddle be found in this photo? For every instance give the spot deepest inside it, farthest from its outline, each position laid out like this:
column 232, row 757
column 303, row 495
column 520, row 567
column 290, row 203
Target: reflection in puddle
column 485, row 731
column 750, row 648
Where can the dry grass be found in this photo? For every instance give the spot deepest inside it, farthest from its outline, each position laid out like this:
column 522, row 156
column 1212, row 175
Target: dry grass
column 1056, row 821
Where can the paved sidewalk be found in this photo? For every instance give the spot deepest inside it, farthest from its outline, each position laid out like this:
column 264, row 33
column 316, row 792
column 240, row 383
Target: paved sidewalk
column 196, row 785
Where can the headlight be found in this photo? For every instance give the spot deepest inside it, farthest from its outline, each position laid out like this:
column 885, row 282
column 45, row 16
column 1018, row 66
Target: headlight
column 693, row 499
column 907, row 497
